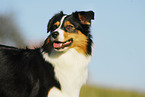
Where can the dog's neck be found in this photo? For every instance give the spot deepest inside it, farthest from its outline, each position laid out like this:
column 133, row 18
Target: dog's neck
column 71, row 70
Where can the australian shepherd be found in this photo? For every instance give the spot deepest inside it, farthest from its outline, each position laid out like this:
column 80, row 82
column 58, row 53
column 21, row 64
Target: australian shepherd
column 56, row 69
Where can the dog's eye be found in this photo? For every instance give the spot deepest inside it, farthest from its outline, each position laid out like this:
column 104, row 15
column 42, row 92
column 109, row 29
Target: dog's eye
column 69, row 27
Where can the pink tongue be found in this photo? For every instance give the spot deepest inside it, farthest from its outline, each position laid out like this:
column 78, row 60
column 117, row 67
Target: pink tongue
column 57, row 45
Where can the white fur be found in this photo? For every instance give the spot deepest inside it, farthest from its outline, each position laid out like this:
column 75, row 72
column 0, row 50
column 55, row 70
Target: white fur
column 71, row 70
column 61, row 35
column 60, row 31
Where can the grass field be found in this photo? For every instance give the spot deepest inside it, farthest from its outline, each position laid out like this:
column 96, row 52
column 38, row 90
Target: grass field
column 92, row 91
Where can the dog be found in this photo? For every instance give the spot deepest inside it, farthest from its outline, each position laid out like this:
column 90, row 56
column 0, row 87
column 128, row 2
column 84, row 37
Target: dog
column 56, row 69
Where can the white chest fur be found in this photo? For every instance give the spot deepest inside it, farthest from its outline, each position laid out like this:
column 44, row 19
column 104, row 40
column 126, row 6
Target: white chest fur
column 71, row 70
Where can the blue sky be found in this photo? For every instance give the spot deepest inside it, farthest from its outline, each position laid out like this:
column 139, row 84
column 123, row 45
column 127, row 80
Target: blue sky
column 118, row 33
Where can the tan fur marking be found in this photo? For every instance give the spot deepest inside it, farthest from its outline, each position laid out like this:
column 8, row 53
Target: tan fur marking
column 83, row 20
column 79, row 41
column 48, row 39
column 69, row 23
column 57, row 23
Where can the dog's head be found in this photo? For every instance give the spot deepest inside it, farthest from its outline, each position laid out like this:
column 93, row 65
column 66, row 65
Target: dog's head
column 70, row 31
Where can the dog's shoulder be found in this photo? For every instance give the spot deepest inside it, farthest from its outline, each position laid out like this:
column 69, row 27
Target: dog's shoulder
column 15, row 57
column 24, row 69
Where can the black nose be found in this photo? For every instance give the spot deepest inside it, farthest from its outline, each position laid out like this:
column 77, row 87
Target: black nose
column 55, row 34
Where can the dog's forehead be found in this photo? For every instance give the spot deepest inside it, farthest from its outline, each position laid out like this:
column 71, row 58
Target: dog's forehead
column 69, row 18
column 57, row 20
column 61, row 21
column 65, row 17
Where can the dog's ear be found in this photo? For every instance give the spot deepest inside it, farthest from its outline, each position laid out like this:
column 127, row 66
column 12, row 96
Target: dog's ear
column 52, row 20
column 84, row 17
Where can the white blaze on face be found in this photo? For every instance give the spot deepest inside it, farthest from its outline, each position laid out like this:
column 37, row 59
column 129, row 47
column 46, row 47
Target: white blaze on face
column 60, row 31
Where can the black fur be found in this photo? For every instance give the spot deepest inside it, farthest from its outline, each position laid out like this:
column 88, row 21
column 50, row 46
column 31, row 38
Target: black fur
column 24, row 73
column 55, row 18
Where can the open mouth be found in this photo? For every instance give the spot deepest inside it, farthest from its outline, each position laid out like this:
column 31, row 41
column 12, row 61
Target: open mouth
column 61, row 45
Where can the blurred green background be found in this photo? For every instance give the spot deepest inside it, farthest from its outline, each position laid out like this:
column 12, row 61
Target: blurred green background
column 94, row 91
